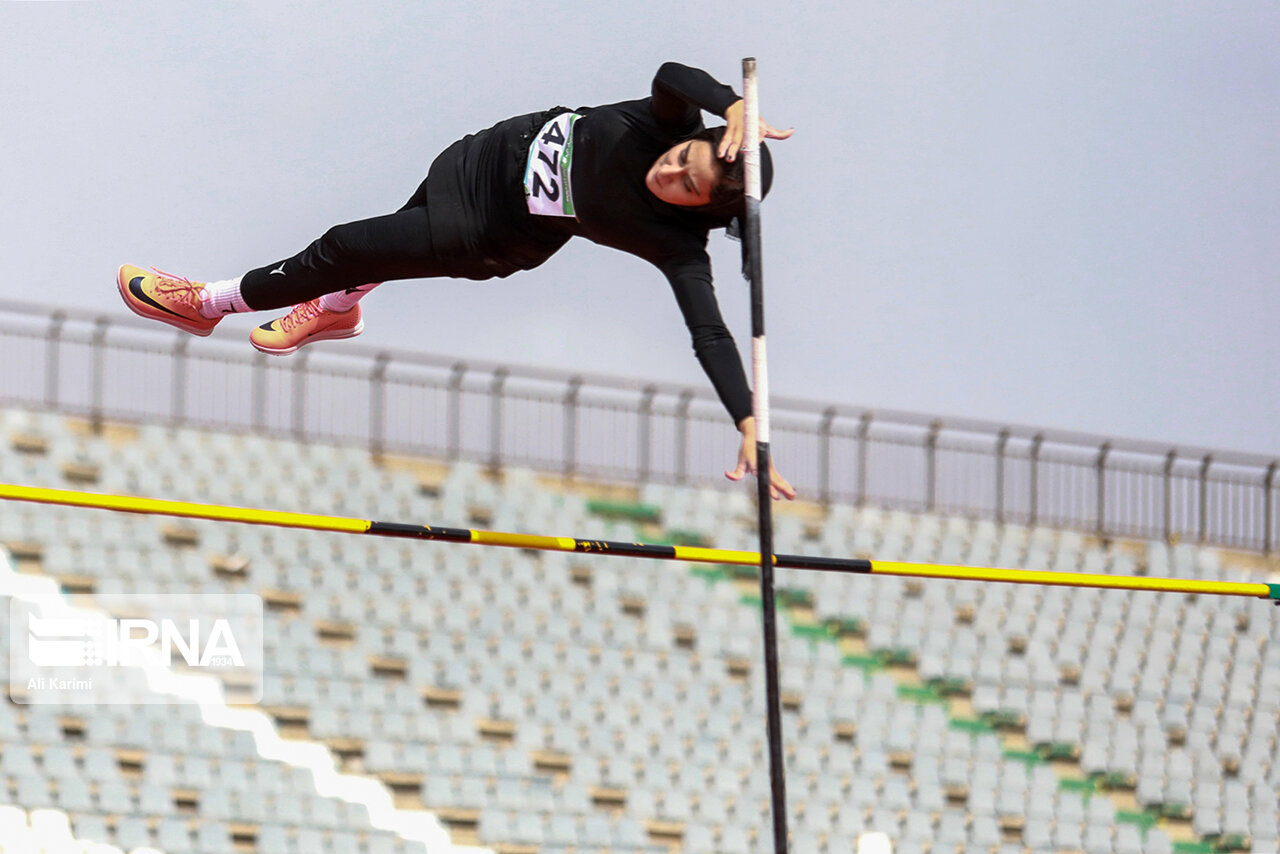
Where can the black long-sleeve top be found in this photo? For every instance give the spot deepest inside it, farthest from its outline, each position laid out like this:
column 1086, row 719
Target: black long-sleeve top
column 479, row 216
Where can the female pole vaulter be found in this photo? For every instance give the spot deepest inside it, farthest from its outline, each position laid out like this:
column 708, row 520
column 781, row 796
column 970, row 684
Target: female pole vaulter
column 643, row 176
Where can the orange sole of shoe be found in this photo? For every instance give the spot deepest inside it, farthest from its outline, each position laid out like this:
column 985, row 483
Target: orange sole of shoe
column 311, row 339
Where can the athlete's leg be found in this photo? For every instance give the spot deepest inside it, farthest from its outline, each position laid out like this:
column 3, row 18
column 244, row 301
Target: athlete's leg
column 402, row 241
column 346, row 262
column 346, row 299
column 399, row 245
column 395, row 246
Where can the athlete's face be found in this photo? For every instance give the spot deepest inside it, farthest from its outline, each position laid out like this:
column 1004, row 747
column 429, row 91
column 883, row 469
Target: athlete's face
column 685, row 175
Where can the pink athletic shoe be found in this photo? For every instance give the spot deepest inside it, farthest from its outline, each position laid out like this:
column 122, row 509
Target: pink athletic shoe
column 164, row 297
column 306, row 323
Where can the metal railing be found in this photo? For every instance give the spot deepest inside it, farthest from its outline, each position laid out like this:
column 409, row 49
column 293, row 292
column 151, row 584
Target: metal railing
column 105, row 367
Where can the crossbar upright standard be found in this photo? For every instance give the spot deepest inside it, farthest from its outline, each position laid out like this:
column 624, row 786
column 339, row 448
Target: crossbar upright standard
column 760, row 409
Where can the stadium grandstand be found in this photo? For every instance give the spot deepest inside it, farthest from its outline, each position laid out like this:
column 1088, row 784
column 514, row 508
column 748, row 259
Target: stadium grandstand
column 428, row 696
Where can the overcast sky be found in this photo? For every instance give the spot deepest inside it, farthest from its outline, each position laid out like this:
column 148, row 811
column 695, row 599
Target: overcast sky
column 1055, row 214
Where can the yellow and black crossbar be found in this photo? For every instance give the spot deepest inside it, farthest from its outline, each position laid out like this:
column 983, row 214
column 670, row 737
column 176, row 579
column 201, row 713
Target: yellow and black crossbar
column 695, row 554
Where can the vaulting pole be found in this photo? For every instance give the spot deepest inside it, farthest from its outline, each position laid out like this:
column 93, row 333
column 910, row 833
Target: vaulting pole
column 760, row 409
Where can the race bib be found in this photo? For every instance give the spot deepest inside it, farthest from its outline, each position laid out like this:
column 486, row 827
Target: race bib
column 547, row 189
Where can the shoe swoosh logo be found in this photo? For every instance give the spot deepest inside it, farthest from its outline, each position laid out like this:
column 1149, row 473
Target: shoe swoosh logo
column 135, row 288
column 278, row 271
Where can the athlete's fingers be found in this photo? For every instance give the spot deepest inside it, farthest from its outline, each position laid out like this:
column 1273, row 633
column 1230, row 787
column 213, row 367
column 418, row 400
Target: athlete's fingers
column 770, row 132
column 732, row 139
column 726, row 149
column 746, row 460
column 779, row 484
column 732, row 142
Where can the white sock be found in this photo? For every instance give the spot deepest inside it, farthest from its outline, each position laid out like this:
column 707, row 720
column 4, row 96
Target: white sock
column 341, row 301
column 219, row 298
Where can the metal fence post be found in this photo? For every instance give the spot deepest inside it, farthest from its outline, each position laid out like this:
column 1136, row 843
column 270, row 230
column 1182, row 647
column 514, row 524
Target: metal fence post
column 1168, row 494
column 99, row 370
column 1100, row 465
column 682, row 435
column 454, row 439
column 178, row 400
column 300, row 396
column 495, row 418
column 1268, row 506
column 1036, row 441
column 53, row 352
column 378, row 405
column 931, row 466
column 864, row 427
column 644, row 429
column 1002, row 442
column 259, row 392
column 571, row 426
column 1204, row 497
column 824, row 455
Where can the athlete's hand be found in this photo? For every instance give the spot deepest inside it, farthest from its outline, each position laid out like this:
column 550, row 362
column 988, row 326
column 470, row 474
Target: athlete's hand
column 778, row 486
column 735, row 133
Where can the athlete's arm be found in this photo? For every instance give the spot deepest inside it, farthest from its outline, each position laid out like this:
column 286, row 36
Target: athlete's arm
column 712, row 342
column 679, row 92
column 718, row 354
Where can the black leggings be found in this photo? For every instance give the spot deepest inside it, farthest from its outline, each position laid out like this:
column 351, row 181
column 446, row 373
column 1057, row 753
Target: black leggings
column 394, row 246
